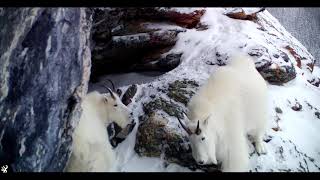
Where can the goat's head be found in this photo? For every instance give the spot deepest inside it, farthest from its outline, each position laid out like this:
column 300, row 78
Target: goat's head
column 115, row 110
column 202, row 144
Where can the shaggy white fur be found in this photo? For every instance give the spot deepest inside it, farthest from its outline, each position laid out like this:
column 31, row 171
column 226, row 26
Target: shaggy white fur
column 232, row 104
column 92, row 151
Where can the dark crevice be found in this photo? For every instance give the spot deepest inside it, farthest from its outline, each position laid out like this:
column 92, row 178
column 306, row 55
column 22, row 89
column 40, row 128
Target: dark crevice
column 121, row 44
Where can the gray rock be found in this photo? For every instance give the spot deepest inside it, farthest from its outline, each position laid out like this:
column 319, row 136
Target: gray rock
column 44, row 70
column 283, row 71
column 161, row 104
column 145, row 40
column 129, row 94
column 180, row 91
column 317, row 114
column 278, row 110
column 170, row 62
column 279, row 75
column 297, row 107
column 117, row 134
column 315, row 81
column 163, row 64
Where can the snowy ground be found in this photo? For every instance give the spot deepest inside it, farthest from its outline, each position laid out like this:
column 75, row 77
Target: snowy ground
column 294, row 147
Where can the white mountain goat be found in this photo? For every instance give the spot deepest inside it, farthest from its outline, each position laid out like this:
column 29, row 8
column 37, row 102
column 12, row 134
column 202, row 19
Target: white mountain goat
column 92, row 151
column 232, row 104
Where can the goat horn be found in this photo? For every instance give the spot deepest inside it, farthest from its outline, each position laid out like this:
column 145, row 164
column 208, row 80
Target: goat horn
column 198, row 130
column 185, row 113
column 110, row 91
column 184, row 127
column 113, row 87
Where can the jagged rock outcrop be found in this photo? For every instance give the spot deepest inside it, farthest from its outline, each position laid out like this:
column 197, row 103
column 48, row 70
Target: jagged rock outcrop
column 239, row 13
column 44, row 73
column 273, row 60
column 124, row 37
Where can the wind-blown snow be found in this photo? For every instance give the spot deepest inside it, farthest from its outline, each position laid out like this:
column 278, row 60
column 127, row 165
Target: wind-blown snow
column 295, row 147
column 304, row 24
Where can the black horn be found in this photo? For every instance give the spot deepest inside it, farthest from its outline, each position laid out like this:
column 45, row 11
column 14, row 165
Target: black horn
column 184, row 127
column 113, row 87
column 110, row 91
column 198, row 130
column 185, row 113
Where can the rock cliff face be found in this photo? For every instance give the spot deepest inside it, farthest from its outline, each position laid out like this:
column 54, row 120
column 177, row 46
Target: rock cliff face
column 44, row 72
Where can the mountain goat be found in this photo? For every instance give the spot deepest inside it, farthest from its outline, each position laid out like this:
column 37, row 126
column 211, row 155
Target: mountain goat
column 232, row 104
column 92, row 151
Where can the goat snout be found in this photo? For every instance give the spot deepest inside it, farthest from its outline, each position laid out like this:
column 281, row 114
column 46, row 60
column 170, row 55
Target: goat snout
column 201, row 162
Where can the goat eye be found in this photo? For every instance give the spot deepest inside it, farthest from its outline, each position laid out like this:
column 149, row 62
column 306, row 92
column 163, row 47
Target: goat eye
column 115, row 105
column 203, row 138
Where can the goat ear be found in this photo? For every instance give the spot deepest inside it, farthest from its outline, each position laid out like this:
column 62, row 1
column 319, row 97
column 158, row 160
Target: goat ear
column 205, row 122
column 105, row 99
